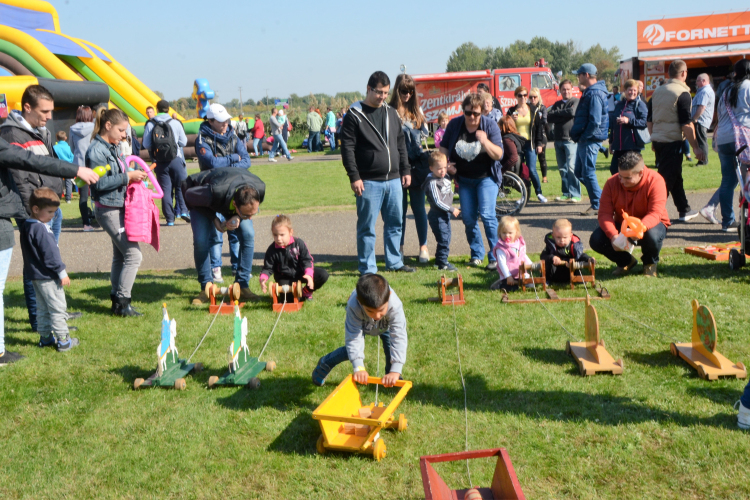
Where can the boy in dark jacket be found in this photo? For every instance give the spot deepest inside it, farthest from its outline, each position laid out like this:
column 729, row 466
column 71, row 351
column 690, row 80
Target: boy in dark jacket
column 439, row 189
column 44, row 266
column 289, row 260
column 560, row 246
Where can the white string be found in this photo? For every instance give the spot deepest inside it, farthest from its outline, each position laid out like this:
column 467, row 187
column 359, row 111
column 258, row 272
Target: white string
column 273, row 329
column 209, row 329
column 463, row 384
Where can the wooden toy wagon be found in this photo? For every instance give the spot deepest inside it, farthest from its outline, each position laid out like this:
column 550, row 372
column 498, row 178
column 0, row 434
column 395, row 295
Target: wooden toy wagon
column 348, row 425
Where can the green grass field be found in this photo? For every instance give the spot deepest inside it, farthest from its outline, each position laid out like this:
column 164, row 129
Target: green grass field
column 72, row 426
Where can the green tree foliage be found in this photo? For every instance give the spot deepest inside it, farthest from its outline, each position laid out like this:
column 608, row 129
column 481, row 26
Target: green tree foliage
column 469, row 57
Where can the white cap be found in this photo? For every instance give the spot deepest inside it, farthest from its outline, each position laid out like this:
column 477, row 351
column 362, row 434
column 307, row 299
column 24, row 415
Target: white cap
column 281, row 112
column 218, row 113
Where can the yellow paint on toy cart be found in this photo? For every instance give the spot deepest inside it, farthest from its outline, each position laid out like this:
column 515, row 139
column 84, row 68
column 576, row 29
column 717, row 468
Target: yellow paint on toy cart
column 342, row 406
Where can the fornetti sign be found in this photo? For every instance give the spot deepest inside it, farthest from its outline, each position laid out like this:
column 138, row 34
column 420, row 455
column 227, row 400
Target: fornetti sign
column 698, row 31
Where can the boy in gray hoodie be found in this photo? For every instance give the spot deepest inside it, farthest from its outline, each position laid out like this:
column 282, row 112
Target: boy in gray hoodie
column 439, row 190
column 373, row 309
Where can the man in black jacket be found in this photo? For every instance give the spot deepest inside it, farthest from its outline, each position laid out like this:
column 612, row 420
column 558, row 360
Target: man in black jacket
column 373, row 150
column 560, row 115
column 11, row 206
column 236, row 194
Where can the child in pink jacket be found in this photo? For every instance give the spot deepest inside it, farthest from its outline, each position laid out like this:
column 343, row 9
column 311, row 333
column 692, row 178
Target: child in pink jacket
column 509, row 251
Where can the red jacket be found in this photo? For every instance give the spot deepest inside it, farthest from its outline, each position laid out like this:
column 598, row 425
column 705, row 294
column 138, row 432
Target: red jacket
column 647, row 201
column 258, row 130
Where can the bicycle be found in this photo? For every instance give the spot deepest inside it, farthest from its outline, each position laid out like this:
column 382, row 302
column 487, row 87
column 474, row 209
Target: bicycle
column 512, row 196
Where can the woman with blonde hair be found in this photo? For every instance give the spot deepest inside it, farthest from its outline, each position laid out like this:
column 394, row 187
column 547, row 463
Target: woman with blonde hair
column 535, row 97
column 530, row 125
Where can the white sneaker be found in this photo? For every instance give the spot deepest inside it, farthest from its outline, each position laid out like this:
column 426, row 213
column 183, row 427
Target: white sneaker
column 216, row 272
column 743, row 416
column 424, row 256
column 708, row 214
column 541, row 198
column 290, row 157
column 273, row 160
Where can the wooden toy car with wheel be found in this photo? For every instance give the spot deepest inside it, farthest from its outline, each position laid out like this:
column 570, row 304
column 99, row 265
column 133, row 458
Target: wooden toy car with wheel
column 230, row 292
column 280, row 295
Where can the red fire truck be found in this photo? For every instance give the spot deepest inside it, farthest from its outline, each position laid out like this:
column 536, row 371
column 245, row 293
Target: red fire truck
column 445, row 91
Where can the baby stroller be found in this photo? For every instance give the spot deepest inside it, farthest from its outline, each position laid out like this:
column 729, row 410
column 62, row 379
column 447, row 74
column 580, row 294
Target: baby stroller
column 737, row 258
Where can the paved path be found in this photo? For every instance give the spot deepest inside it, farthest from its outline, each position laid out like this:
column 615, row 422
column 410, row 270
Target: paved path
column 331, row 237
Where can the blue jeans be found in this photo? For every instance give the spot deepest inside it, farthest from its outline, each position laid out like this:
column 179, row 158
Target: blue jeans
column 585, row 170
column 477, row 197
column 28, row 287
column 529, row 154
column 5, row 256
column 340, row 355
column 417, row 198
column 565, row 152
column 234, row 248
column 170, row 176
column 729, row 182
column 205, row 237
column 384, row 197
column 651, row 244
column 313, row 142
column 278, row 141
column 258, row 146
column 332, row 140
column 440, row 223
column 745, row 399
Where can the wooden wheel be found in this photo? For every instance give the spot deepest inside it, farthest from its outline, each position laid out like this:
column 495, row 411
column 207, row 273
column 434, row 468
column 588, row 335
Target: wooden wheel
column 272, row 290
column 320, row 445
column 253, row 383
column 378, row 450
column 212, row 381
column 402, row 423
column 137, row 383
column 180, row 384
column 235, row 292
column 299, row 290
column 702, row 373
column 270, row 366
column 210, row 290
column 582, row 369
column 198, row 367
column 567, row 347
column 673, row 348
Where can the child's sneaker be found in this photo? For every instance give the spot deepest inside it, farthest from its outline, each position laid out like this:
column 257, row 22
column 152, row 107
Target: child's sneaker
column 216, row 273
column 320, row 373
column 67, row 344
column 447, row 267
column 47, row 341
column 8, row 357
column 743, row 416
column 307, row 294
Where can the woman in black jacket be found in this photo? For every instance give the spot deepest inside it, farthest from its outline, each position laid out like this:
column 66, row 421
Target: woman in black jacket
column 535, row 97
column 629, row 116
column 530, row 126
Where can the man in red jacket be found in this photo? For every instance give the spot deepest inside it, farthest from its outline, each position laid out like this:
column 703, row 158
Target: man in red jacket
column 641, row 193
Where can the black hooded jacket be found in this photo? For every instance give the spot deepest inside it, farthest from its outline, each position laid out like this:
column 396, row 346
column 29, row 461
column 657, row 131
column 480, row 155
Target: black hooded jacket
column 211, row 191
column 574, row 250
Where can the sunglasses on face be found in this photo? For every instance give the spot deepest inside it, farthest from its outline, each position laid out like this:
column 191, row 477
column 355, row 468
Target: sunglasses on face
column 472, row 113
column 534, row 97
column 522, row 95
column 406, row 92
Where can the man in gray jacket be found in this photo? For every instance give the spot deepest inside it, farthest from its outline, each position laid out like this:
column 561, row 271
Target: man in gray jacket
column 561, row 115
column 373, row 309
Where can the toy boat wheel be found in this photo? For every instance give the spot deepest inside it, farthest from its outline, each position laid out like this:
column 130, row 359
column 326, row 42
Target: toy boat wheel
column 253, row 383
column 378, row 450
column 212, row 381
column 180, row 384
column 270, row 366
column 320, row 445
column 137, row 383
column 402, row 423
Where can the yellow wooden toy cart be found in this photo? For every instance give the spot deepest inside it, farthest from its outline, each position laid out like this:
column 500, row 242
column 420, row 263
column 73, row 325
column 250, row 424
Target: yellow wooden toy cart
column 348, row 425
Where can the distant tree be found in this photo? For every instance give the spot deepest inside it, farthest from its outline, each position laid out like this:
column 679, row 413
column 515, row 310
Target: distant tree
column 161, row 96
column 468, row 57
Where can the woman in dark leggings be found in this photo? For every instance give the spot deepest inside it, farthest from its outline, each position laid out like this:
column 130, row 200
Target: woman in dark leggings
column 79, row 140
column 535, row 97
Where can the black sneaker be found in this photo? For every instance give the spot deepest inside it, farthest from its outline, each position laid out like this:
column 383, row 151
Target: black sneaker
column 404, row 269
column 8, row 357
column 47, row 342
column 320, row 373
column 75, row 315
column 447, row 267
column 67, row 345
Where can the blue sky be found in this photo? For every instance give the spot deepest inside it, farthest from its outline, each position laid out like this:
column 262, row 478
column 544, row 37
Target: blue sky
column 300, row 47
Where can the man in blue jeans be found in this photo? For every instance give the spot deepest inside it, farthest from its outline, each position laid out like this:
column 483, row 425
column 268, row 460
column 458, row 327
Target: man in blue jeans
column 235, row 194
column 561, row 115
column 373, row 150
column 590, row 126
column 314, row 122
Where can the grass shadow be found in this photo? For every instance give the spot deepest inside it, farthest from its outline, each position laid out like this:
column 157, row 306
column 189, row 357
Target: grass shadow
column 130, row 372
column 299, row 437
column 279, row 393
column 719, row 395
column 549, row 356
column 658, row 359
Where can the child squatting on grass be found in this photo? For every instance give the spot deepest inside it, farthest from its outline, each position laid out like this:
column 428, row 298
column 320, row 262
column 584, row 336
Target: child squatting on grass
column 43, row 264
column 510, row 251
column 373, row 309
column 439, row 190
column 560, row 246
column 289, row 260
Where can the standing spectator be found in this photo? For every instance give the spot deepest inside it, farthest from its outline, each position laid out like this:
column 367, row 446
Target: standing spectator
column 414, row 125
column 473, row 144
column 669, row 122
column 241, row 129
column 488, row 110
column 109, row 195
column 314, row 122
column 12, row 206
column 629, row 116
column 616, row 93
column 164, row 138
column 259, row 132
column 530, row 126
column 62, row 150
column 535, row 97
column 27, row 129
column 513, row 145
column 640, row 88
column 80, row 138
column 373, row 150
column 703, row 112
column 331, row 126
column 737, row 97
column 589, row 129
column 278, row 140
column 287, row 126
column 561, row 115
column 217, row 146
column 339, row 121
column 482, row 88
column 150, row 113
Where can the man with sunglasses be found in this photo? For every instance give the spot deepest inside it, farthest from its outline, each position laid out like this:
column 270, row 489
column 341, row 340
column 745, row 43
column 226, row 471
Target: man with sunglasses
column 235, row 194
column 373, row 150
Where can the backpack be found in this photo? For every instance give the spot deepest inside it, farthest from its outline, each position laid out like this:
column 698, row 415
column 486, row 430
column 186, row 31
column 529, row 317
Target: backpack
column 163, row 142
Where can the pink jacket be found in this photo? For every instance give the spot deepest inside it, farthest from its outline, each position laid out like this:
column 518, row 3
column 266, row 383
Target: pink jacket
column 141, row 215
column 509, row 257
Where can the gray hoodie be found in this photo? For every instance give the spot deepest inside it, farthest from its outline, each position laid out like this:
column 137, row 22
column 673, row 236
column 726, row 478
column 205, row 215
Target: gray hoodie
column 79, row 140
column 439, row 192
column 359, row 324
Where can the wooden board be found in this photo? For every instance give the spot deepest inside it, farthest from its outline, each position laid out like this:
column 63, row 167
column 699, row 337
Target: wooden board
column 714, row 252
column 601, row 294
column 706, row 369
column 225, row 308
column 587, row 359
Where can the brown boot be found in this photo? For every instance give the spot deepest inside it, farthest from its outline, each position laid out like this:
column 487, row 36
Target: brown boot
column 201, row 299
column 649, row 270
column 247, row 294
column 622, row 271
